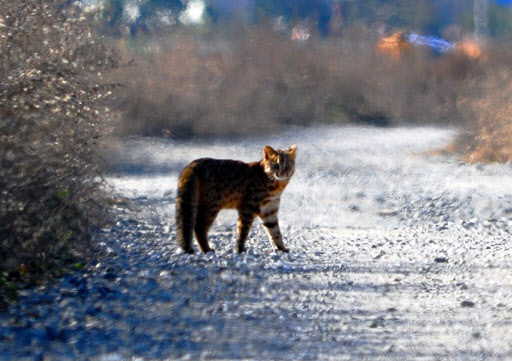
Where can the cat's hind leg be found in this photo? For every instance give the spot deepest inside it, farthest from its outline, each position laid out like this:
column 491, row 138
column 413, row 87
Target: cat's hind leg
column 204, row 220
column 186, row 211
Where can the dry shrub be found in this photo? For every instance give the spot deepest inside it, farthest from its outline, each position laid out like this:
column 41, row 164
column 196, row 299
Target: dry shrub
column 242, row 80
column 488, row 135
column 51, row 112
column 254, row 79
column 188, row 86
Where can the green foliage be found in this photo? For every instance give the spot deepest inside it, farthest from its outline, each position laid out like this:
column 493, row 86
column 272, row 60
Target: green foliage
column 52, row 111
column 79, row 265
column 63, row 194
column 8, row 292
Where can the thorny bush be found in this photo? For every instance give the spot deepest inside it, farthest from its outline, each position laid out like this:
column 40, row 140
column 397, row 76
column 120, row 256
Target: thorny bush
column 52, row 110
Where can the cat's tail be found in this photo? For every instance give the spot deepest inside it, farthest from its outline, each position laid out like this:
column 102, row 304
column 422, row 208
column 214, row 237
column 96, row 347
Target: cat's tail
column 186, row 208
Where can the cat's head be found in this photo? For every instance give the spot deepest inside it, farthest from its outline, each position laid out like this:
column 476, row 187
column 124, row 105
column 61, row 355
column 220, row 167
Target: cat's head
column 279, row 164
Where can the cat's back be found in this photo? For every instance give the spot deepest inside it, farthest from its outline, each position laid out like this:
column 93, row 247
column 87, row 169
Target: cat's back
column 219, row 173
column 209, row 168
column 221, row 183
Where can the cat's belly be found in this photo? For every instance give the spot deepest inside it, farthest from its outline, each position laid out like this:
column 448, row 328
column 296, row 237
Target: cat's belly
column 231, row 200
column 231, row 204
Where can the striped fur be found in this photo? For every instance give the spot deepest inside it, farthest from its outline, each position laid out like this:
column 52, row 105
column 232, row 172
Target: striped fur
column 208, row 185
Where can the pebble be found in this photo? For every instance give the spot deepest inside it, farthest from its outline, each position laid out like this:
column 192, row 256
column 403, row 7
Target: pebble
column 388, row 212
column 378, row 322
column 467, row 304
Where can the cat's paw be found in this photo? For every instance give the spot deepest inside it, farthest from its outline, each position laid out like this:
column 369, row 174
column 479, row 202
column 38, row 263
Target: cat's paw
column 189, row 251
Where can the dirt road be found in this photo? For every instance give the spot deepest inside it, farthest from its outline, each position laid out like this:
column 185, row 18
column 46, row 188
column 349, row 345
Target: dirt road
column 396, row 254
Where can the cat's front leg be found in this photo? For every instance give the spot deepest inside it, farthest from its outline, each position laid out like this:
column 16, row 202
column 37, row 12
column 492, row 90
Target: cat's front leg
column 274, row 233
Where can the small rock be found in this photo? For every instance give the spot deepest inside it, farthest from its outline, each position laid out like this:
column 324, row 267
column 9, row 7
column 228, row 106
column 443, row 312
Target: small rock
column 144, row 274
column 378, row 322
column 93, row 311
column 353, row 208
column 276, row 257
column 443, row 227
column 388, row 212
column 381, row 253
column 441, row 259
column 111, row 357
column 110, row 276
column 64, row 292
column 467, row 304
column 462, row 285
column 249, row 317
column 380, row 200
column 52, row 333
column 103, row 291
column 165, row 275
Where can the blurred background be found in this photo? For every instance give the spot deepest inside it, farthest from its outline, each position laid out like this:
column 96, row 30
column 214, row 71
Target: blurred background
column 238, row 68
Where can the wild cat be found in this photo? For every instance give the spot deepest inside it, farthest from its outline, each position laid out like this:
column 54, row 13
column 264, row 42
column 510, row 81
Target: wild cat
column 208, row 185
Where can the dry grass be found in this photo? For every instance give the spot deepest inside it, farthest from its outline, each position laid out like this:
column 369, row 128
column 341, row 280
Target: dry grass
column 185, row 84
column 488, row 135
column 214, row 87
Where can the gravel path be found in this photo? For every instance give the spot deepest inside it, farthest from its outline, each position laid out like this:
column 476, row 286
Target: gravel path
column 396, row 254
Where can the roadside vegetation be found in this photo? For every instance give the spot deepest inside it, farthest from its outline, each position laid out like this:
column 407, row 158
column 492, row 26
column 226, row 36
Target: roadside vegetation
column 261, row 67
column 185, row 83
column 487, row 138
column 254, row 79
column 52, row 113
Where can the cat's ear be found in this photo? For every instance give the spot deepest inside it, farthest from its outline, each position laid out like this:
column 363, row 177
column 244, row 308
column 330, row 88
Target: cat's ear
column 292, row 150
column 268, row 152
